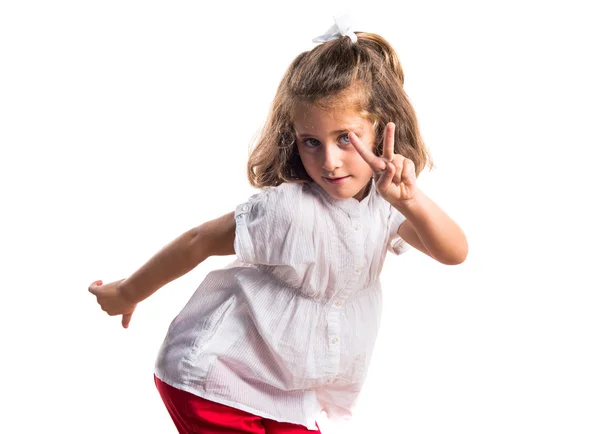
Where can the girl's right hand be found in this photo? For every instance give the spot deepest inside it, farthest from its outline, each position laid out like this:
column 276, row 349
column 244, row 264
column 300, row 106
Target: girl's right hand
column 111, row 300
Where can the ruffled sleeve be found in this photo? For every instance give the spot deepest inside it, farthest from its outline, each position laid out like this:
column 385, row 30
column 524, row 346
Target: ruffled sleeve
column 396, row 244
column 263, row 224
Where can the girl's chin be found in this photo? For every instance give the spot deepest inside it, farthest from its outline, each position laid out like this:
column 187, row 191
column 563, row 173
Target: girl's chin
column 340, row 193
column 342, row 188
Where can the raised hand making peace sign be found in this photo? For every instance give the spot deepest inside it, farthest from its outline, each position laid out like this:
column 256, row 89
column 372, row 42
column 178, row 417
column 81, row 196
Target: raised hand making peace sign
column 395, row 175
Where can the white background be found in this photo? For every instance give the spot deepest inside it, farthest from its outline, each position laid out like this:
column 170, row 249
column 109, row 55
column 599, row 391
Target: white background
column 125, row 123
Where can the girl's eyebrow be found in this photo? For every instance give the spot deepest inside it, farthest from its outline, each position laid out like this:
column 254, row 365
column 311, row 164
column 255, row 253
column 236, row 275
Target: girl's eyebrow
column 336, row 132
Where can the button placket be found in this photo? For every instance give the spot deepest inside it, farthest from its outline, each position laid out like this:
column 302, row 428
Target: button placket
column 333, row 333
column 349, row 287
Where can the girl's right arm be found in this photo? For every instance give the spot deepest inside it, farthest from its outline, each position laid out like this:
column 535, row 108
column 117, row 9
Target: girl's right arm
column 174, row 260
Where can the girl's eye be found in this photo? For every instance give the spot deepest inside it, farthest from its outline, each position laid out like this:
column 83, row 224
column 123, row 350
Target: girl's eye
column 345, row 139
column 311, row 143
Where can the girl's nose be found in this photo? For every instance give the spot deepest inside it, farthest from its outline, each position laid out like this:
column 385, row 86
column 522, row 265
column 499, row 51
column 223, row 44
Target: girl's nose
column 331, row 158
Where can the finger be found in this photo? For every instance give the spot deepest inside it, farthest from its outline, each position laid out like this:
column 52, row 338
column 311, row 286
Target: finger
column 407, row 176
column 126, row 320
column 385, row 180
column 93, row 288
column 398, row 163
column 388, row 141
column 376, row 163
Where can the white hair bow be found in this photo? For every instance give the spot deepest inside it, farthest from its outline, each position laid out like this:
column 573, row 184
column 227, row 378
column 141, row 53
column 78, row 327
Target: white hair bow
column 342, row 27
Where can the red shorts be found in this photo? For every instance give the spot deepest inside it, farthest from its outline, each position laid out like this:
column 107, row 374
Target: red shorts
column 193, row 414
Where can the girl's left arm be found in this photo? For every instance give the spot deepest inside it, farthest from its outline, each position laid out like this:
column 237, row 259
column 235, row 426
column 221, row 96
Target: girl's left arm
column 429, row 229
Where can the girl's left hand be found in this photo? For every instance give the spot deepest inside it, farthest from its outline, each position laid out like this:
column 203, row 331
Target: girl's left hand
column 111, row 299
column 395, row 176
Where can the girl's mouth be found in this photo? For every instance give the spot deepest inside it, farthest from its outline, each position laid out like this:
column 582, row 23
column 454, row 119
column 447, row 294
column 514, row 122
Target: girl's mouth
column 337, row 180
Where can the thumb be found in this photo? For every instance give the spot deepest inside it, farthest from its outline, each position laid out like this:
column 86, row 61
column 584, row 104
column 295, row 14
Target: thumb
column 126, row 319
column 93, row 288
column 386, row 178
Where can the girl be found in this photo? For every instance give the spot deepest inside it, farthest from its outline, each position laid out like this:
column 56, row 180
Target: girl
column 287, row 330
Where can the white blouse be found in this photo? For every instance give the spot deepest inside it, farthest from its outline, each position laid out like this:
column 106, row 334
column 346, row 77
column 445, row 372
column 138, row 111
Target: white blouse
column 287, row 330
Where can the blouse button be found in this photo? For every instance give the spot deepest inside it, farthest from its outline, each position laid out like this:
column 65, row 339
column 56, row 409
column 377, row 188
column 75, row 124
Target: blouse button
column 330, row 380
column 334, row 340
column 339, row 303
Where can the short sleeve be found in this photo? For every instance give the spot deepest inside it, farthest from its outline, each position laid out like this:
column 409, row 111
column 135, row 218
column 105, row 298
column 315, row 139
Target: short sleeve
column 262, row 225
column 396, row 244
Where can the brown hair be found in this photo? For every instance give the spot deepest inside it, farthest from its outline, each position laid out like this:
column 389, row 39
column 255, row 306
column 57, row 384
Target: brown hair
column 365, row 74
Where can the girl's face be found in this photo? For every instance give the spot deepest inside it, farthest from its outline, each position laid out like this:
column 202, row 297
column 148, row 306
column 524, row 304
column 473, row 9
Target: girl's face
column 326, row 152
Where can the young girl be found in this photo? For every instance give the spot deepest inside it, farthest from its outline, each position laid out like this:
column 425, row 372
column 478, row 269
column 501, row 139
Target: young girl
column 287, row 330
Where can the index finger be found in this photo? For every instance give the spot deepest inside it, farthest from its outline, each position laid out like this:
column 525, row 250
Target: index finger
column 376, row 163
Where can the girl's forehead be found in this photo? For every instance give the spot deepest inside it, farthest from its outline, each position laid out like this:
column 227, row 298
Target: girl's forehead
column 311, row 116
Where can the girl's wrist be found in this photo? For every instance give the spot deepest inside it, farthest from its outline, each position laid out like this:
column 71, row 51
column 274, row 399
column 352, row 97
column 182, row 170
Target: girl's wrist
column 126, row 291
column 412, row 205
